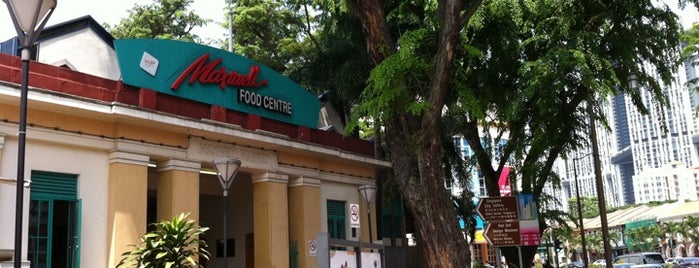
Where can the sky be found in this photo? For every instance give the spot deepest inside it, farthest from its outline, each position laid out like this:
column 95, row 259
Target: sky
column 112, row 11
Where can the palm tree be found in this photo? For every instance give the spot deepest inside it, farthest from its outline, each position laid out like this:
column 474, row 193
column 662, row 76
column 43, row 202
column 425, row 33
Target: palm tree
column 615, row 238
column 571, row 245
column 673, row 229
column 692, row 226
column 594, row 242
column 634, row 238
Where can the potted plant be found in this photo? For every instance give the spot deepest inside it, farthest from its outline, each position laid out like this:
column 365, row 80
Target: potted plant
column 174, row 243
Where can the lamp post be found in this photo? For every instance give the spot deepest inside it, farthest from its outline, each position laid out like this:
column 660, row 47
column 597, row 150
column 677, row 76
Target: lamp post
column 226, row 169
column 580, row 215
column 231, row 5
column 29, row 18
column 368, row 192
column 601, row 201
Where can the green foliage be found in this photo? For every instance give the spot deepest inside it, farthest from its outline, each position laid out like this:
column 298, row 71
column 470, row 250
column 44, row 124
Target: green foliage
column 163, row 19
column 689, row 53
column 271, row 32
column 643, row 238
column 590, row 209
column 174, row 243
column 400, row 82
column 521, row 73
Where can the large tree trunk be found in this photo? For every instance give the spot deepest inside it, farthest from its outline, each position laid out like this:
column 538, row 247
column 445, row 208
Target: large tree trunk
column 414, row 141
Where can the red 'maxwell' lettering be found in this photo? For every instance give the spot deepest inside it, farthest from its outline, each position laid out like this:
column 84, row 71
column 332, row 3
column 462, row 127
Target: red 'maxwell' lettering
column 206, row 73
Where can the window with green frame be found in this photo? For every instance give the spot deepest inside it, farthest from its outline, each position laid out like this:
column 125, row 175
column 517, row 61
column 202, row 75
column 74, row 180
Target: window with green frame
column 337, row 227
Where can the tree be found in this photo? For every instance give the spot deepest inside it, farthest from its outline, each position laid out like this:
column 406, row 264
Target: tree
column 675, row 233
column 520, row 71
column 164, row 19
column 514, row 74
column 272, row 32
column 413, row 138
column 643, row 238
column 589, row 207
column 594, row 242
column 543, row 60
column 692, row 228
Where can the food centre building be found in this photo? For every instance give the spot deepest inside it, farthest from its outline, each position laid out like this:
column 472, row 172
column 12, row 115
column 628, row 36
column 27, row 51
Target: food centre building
column 107, row 156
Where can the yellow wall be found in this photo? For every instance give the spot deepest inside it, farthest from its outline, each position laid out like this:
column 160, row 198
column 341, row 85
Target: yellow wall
column 178, row 189
column 271, row 220
column 97, row 127
column 128, row 196
column 304, row 216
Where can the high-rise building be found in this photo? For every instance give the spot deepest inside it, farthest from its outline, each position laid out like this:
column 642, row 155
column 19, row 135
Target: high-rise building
column 644, row 158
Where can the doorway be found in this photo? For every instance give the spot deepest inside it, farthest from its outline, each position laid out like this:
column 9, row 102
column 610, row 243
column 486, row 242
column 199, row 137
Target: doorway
column 54, row 221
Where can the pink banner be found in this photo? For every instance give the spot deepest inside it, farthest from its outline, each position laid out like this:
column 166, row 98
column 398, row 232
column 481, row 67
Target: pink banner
column 504, row 182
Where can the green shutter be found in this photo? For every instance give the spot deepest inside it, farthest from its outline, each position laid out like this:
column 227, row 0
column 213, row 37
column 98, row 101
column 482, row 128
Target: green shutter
column 336, row 209
column 53, row 193
column 336, row 219
column 50, row 185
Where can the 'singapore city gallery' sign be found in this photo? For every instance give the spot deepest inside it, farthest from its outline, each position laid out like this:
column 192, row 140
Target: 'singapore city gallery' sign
column 217, row 77
column 207, row 73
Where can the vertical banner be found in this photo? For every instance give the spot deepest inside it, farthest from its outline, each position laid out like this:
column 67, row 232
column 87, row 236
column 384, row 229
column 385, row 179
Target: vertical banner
column 504, row 182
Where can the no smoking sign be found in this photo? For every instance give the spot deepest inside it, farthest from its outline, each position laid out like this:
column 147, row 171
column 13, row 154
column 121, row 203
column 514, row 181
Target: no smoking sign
column 354, row 215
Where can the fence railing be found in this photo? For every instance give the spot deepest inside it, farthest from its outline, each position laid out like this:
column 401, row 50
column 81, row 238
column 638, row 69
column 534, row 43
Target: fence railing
column 325, row 243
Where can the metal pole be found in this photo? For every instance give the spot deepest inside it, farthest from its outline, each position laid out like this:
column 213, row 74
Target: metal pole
column 601, row 202
column 555, row 249
column 20, row 155
column 230, row 30
column 519, row 252
column 225, row 228
column 368, row 219
column 580, row 215
column 498, row 258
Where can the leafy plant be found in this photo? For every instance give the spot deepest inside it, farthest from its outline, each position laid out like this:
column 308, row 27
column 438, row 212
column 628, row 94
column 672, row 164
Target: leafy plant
column 174, row 243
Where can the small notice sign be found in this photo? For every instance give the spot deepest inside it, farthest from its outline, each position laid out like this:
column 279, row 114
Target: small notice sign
column 312, row 247
column 354, row 215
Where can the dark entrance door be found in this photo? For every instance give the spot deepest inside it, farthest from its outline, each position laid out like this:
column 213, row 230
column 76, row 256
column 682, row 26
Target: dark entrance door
column 54, row 221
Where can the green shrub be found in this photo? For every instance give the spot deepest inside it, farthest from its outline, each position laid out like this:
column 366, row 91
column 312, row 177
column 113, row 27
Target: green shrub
column 173, row 244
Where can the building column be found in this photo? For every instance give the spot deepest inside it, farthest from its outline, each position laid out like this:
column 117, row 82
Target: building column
column 2, row 143
column 271, row 220
column 128, row 198
column 304, row 216
column 178, row 189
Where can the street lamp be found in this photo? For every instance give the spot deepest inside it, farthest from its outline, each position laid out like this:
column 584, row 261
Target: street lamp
column 368, row 192
column 29, row 18
column 226, row 169
column 580, row 215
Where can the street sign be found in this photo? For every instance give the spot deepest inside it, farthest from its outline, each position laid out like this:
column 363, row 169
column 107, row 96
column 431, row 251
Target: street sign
column 503, row 233
column 354, row 215
column 498, row 208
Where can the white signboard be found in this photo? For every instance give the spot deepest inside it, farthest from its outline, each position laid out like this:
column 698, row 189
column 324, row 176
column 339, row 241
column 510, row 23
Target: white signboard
column 371, row 260
column 149, row 63
column 354, row 215
column 343, row 259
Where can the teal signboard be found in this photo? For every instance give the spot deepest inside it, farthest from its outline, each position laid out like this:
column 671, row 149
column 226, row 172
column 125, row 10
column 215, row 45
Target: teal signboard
column 216, row 77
